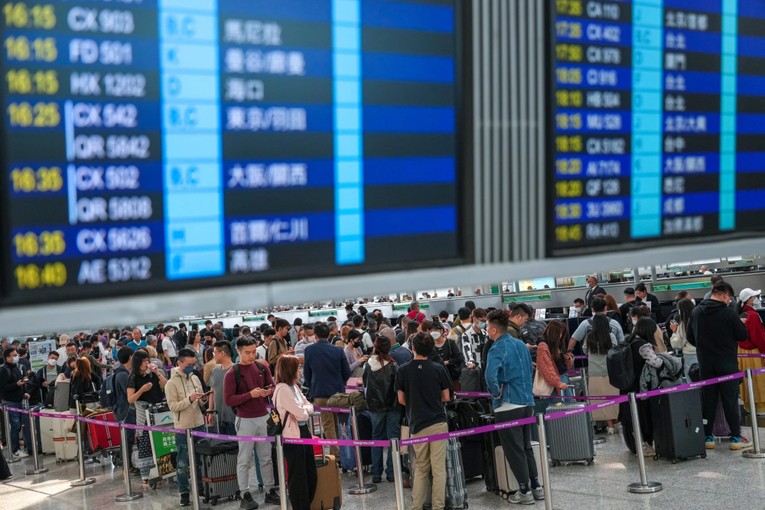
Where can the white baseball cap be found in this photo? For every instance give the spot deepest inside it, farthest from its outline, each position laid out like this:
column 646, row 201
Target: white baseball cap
column 747, row 293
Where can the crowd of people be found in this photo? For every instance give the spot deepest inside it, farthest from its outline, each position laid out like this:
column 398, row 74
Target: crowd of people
column 409, row 367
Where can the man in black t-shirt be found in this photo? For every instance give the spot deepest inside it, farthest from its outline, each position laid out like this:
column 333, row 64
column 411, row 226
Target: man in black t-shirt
column 423, row 387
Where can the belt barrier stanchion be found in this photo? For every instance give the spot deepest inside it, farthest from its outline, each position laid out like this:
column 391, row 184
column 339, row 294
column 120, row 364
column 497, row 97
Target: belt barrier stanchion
column 644, row 487
column 39, row 468
column 80, row 453
column 129, row 494
column 543, row 461
column 281, row 473
column 398, row 473
column 10, row 459
column 193, row 470
column 361, row 488
column 756, row 452
column 585, row 382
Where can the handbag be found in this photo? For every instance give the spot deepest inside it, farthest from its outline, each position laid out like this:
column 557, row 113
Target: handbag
column 274, row 423
column 541, row 387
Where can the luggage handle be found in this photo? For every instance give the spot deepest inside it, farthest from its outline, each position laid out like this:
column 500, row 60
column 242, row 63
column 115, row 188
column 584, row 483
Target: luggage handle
column 213, row 412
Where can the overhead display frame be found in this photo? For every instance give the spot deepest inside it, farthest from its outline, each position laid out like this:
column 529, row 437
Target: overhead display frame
column 657, row 117
column 216, row 142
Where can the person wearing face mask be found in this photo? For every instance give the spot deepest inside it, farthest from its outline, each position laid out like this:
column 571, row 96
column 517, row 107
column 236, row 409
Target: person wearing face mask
column 625, row 309
column 43, row 382
column 354, row 353
column 509, row 376
column 679, row 339
column 12, row 393
column 308, row 338
column 755, row 344
column 472, row 342
column 185, row 399
column 446, row 352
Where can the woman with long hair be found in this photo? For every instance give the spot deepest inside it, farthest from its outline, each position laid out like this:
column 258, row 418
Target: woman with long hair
column 198, row 347
column 379, row 388
column 679, row 341
column 599, row 342
column 144, row 389
column 294, row 412
column 553, row 362
column 612, row 309
column 642, row 333
column 80, row 384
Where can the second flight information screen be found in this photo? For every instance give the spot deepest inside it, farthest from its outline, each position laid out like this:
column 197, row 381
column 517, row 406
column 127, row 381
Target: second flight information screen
column 172, row 140
column 658, row 120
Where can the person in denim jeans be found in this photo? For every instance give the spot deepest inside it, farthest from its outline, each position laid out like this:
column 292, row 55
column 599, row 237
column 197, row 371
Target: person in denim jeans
column 185, row 398
column 12, row 381
column 379, row 388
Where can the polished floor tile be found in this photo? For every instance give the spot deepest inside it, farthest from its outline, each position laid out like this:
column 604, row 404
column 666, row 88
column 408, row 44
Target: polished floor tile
column 723, row 479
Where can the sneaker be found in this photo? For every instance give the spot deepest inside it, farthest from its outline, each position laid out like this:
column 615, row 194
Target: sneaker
column 648, row 450
column 611, row 431
column 520, row 498
column 709, row 443
column 185, row 501
column 272, row 497
column 247, row 502
column 21, row 454
column 739, row 443
column 391, row 479
column 377, row 479
column 538, row 493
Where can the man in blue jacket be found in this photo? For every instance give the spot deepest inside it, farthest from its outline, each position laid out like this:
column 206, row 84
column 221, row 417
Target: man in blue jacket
column 509, row 379
column 325, row 371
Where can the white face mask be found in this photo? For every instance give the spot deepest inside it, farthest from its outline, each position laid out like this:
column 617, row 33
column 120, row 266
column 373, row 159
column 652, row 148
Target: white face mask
column 757, row 303
column 634, row 321
column 436, row 335
column 51, row 362
column 15, row 359
column 311, row 338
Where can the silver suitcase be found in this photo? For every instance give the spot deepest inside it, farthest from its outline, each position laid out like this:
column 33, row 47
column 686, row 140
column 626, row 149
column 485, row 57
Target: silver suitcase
column 570, row 438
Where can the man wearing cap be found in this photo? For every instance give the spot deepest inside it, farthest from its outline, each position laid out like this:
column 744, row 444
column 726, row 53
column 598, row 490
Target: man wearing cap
column 754, row 345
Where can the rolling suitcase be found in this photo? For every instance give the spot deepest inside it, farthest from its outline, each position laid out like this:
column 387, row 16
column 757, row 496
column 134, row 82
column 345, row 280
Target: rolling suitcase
column 570, row 438
column 329, row 489
column 218, row 466
column 466, row 414
column 64, row 440
column 678, row 431
column 102, row 437
column 456, row 490
column 61, row 396
column 46, row 434
column 490, row 442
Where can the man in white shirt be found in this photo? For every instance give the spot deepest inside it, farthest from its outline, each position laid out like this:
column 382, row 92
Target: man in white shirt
column 598, row 307
column 168, row 345
column 63, row 340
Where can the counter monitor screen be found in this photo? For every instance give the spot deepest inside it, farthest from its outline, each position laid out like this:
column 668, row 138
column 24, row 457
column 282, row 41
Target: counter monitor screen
column 205, row 142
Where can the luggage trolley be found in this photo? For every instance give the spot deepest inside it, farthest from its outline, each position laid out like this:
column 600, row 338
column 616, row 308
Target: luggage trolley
column 163, row 448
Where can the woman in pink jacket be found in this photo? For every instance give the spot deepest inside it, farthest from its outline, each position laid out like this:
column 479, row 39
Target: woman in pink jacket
column 295, row 411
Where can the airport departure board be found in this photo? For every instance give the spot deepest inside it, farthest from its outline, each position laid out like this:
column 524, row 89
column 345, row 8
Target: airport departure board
column 658, row 117
column 206, row 142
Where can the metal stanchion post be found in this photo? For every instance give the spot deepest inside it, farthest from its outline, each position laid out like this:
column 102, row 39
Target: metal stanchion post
column 398, row 474
column 361, row 488
column 755, row 452
column 644, row 487
column 129, row 494
column 280, row 471
column 543, row 461
column 38, row 469
column 193, row 481
column 9, row 458
column 81, row 454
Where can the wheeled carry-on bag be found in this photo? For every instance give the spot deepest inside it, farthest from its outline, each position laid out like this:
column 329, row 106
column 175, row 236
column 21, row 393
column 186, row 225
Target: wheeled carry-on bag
column 490, row 443
column 218, row 466
column 329, row 489
column 678, row 431
column 102, row 437
column 570, row 438
column 456, row 490
column 64, row 440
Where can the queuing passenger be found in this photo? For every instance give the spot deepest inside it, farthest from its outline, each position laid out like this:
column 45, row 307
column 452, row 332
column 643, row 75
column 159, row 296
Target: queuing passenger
column 181, row 337
column 626, row 308
column 755, row 345
column 463, row 323
column 553, row 362
column 170, row 347
column 185, row 398
column 471, row 343
column 136, row 341
column 295, row 412
column 598, row 308
column 246, row 388
column 294, row 332
column 66, row 373
column 354, row 353
column 199, row 349
column 612, row 309
column 43, row 382
column 144, row 389
column 447, row 352
column 599, row 341
column 81, row 385
column 308, row 339
column 334, row 332
column 578, row 309
column 226, row 416
column 268, row 335
column 12, row 395
column 366, row 339
column 414, row 312
column 399, row 353
column 279, row 343
column 594, row 290
column 642, row 333
column 325, row 371
column 423, row 386
column 123, row 411
column 679, row 340
column 95, row 366
column 532, row 331
column 652, row 301
column 509, row 380
column 63, row 355
column 657, row 340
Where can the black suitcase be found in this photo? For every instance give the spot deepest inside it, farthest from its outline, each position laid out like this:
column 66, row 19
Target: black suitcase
column 466, row 414
column 678, row 431
column 490, row 442
column 218, row 466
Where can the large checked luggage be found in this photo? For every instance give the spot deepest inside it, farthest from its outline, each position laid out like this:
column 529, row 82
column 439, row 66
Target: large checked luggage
column 64, row 440
column 102, row 437
column 678, row 431
column 218, row 462
column 329, row 489
column 456, row 490
column 570, row 438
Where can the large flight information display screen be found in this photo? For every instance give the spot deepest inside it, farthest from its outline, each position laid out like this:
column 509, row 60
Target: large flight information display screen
column 658, row 119
column 205, row 142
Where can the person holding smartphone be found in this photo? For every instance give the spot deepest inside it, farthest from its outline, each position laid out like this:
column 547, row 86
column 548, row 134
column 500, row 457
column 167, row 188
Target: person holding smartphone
column 185, row 398
column 12, row 394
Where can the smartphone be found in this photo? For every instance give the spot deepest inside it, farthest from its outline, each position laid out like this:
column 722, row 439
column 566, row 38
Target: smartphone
column 208, row 393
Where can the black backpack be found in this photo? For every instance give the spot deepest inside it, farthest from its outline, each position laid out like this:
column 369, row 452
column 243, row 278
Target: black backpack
column 621, row 370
